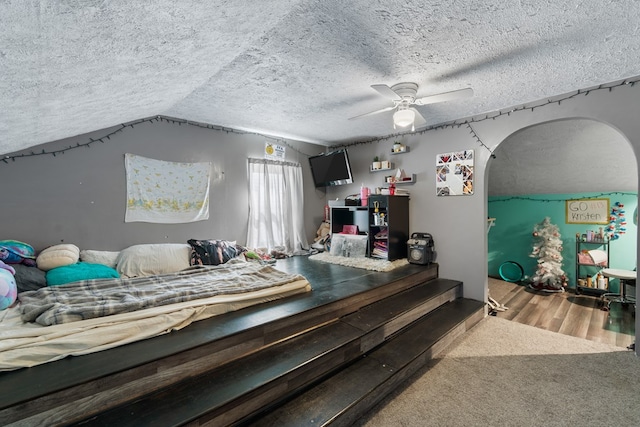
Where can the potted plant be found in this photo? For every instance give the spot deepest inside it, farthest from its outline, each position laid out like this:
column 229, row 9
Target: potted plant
column 376, row 163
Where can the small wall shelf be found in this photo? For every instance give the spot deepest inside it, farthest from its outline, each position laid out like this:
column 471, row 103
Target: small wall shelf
column 412, row 180
column 371, row 169
column 404, row 150
column 408, row 181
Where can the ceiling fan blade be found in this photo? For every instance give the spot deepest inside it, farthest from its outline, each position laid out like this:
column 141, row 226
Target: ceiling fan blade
column 419, row 121
column 387, row 92
column 446, row 96
column 373, row 112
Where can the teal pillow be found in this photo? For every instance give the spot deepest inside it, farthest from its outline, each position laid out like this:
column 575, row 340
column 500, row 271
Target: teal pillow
column 79, row 271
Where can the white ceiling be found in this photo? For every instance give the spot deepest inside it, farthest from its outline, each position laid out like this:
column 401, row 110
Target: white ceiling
column 294, row 68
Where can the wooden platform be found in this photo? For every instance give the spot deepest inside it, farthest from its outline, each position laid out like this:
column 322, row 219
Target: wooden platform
column 241, row 367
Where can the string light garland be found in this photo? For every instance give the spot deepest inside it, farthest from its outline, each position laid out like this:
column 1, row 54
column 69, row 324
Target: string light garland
column 87, row 144
column 475, row 135
column 493, row 116
column 131, row 125
column 277, row 140
column 456, row 123
column 533, row 199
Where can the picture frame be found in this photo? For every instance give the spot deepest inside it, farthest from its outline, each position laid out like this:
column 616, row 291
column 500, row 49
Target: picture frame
column 454, row 173
column 349, row 245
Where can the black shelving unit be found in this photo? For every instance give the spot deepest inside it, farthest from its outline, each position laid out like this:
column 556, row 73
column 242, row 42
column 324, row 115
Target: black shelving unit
column 388, row 239
column 581, row 269
column 385, row 240
column 350, row 215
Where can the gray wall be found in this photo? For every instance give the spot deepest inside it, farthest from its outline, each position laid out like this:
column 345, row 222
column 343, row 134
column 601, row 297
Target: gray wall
column 459, row 223
column 50, row 199
column 79, row 197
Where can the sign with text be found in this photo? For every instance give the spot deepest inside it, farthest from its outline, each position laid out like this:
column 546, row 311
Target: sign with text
column 274, row 151
column 587, row 211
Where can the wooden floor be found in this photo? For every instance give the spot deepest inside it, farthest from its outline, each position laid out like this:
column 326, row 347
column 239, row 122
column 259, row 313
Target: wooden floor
column 567, row 313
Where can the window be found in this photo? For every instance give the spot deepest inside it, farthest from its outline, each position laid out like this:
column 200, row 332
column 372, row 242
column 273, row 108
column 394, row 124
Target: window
column 276, row 202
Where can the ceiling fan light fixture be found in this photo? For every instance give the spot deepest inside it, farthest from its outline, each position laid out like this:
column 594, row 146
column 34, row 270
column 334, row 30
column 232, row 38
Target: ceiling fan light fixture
column 404, row 117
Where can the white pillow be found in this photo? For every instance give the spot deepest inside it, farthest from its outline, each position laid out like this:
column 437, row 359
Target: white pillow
column 58, row 256
column 152, row 259
column 107, row 258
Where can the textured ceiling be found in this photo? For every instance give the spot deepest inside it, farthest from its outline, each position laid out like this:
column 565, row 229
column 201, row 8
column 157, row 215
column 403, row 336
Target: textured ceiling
column 295, row 69
column 565, row 156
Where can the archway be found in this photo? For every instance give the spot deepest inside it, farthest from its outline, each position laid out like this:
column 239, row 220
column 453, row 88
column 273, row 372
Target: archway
column 538, row 167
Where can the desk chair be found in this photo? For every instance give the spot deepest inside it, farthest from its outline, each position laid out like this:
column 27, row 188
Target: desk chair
column 621, row 297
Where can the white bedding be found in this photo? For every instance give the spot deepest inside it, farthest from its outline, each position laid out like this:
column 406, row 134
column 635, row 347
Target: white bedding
column 29, row 344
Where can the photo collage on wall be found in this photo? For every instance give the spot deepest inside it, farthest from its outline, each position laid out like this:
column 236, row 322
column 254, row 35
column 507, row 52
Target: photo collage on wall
column 454, row 173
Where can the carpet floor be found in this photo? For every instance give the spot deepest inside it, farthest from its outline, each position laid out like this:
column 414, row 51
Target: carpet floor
column 503, row 373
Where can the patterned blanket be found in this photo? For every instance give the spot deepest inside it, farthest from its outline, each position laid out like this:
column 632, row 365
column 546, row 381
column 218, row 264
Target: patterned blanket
column 96, row 298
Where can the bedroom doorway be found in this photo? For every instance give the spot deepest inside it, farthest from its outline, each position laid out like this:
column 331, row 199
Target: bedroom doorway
column 535, row 170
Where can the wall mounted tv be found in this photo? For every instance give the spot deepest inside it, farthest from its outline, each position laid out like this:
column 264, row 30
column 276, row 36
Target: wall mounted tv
column 331, row 169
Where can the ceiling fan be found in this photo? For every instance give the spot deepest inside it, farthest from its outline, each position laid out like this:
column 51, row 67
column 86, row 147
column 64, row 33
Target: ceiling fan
column 403, row 96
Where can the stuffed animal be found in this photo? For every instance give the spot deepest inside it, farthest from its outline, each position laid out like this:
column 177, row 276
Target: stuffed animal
column 15, row 252
column 8, row 287
column 323, row 231
column 322, row 236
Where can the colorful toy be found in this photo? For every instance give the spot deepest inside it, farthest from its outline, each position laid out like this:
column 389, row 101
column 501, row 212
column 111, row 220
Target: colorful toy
column 15, row 252
column 8, row 287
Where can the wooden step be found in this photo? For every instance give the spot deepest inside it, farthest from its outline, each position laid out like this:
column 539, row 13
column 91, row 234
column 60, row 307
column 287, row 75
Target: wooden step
column 244, row 387
column 346, row 396
column 75, row 388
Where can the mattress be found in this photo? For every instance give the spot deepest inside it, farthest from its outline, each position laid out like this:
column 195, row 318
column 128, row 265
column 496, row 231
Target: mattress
column 25, row 344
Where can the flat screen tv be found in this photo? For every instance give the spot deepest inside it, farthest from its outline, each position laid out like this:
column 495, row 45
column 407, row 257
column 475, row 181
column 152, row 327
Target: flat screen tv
column 331, row 169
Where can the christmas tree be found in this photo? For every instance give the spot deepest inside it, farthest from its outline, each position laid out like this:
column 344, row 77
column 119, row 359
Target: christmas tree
column 547, row 247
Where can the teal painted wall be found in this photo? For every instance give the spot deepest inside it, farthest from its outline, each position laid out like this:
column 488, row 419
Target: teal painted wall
column 511, row 239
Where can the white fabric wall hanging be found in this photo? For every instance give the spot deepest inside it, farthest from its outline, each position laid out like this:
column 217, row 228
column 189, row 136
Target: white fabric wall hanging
column 166, row 192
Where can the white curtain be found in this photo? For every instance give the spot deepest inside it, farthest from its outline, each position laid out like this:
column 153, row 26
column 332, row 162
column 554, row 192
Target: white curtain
column 276, row 201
